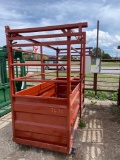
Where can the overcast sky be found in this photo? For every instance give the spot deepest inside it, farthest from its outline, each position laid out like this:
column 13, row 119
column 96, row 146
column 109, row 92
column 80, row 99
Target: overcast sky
column 34, row 13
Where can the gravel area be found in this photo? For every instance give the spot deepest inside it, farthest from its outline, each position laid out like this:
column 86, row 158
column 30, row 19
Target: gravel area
column 99, row 140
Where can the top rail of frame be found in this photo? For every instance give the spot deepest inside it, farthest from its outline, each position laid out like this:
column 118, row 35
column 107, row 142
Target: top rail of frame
column 47, row 28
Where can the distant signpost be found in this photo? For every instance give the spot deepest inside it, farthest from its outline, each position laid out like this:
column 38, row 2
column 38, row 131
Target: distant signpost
column 35, row 48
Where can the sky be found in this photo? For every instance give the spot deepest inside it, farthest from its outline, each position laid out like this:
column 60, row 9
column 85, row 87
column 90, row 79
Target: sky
column 36, row 13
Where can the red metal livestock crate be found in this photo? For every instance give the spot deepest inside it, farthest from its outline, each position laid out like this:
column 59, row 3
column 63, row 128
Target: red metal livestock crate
column 47, row 113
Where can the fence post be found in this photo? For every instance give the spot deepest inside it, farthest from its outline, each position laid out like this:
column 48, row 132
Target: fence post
column 95, row 83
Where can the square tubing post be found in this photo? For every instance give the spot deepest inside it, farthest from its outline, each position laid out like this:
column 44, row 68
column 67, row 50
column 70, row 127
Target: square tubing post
column 42, row 67
column 81, row 72
column 57, row 52
column 68, row 90
column 84, row 67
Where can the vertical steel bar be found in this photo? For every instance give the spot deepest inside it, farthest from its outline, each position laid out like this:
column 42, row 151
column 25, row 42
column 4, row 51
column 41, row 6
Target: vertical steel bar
column 42, row 67
column 57, row 74
column 68, row 89
column 16, row 69
column 57, row 52
column 84, row 69
column 81, row 72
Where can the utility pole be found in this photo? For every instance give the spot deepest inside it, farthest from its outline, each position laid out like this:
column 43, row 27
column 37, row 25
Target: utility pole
column 95, row 74
column 119, row 85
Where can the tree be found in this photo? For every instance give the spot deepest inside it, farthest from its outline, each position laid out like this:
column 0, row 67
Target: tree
column 100, row 53
column 29, row 55
column 45, row 57
column 106, row 56
column 65, row 58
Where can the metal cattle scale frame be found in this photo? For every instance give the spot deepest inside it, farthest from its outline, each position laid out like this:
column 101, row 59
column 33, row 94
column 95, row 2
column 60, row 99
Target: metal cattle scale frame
column 46, row 115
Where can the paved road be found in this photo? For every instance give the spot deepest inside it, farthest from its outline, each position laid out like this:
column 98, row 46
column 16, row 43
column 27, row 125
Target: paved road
column 104, row 70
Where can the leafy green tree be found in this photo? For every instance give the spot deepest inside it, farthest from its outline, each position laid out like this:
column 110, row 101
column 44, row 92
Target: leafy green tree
column 106, row 56
column 100, row 53
column 65, row 58
column 45, row 57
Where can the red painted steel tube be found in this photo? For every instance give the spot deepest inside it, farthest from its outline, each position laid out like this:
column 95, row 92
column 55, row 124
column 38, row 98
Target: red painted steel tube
column 19, row 50
column 57, row 52
column 68, row 89
column 44, row 36
column 77, row 48
column 48, row 72
column 84, row 68
column 77, row 37
column 47, row 43
column 81, row 74
column 32, row 75
column 41, row 64
column 71, row 46
column 40, row 80
column 48, row 28
column 75, row 76
column 36, row 96
column 34, row 41
column 42, row 67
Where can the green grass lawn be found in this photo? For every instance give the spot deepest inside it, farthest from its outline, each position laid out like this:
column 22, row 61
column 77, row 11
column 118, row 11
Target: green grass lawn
column 110, row 64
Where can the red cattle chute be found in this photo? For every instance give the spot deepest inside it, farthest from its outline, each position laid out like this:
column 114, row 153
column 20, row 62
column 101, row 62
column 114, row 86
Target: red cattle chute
column 46, row 115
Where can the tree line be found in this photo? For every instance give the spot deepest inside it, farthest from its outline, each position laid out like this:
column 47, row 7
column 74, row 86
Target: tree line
column 100, row 53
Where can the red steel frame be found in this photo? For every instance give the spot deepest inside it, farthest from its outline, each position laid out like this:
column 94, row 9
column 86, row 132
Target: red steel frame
column 27, row 111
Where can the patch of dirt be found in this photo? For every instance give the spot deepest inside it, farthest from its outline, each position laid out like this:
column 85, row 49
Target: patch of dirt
column 100, row 140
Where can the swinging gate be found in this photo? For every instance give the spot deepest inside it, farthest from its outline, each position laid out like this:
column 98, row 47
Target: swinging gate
column 4, row 86
column 4, row 81
column 46, row 114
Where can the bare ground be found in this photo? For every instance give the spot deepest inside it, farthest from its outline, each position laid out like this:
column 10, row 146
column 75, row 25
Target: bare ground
column 100, row 140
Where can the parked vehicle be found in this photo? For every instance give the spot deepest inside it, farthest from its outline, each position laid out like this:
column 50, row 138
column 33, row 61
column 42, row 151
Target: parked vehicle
column 54, row 67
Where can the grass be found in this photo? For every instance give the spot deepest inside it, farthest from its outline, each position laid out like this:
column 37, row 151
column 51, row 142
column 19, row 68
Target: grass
column 115, row 110
column 81, row 124
column 102, row 75
column 89, row 81
column 93, row 103
column 110, row 64
column 104, row 82
column 101, row 95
